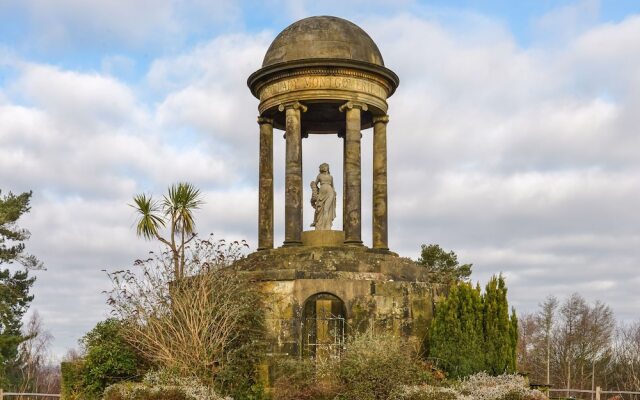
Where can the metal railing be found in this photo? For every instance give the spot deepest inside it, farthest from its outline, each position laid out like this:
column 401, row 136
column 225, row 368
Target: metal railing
column 600, row 394
column 323, row 336
column 4, row 394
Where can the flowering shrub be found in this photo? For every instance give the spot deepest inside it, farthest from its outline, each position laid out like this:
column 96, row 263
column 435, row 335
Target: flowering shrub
column 476, row 387
column 376, row 365
column 426, row 392
column 504, row 387
column 161, row 385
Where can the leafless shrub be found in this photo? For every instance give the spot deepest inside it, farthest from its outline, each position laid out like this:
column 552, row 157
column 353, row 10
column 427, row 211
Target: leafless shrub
column 195, row 324
column 38, row 373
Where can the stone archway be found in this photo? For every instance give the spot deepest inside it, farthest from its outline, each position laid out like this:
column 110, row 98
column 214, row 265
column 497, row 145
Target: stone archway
column 323, row 326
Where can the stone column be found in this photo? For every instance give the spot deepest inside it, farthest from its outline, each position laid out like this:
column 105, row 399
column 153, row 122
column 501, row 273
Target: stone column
column 342, row 136
column 265, row 185
column 293, row 174
column 379, row 209
column 353, row 174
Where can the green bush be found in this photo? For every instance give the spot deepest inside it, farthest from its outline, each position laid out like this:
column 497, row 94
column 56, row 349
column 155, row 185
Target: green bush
column 237, row 375
column 72, row 378
column 108, row 359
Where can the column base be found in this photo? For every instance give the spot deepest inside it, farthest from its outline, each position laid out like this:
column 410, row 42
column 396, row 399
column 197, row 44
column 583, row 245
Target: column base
column 354, row 243
column 265, row 248
column 291, row 243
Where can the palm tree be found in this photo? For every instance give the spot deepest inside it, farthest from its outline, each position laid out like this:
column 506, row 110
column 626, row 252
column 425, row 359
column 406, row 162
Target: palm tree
column 176, row 211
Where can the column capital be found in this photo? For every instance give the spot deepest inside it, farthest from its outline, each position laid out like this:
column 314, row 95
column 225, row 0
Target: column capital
column 381, row 118
column 296, row 105
column 353, row 104
column 264, row 120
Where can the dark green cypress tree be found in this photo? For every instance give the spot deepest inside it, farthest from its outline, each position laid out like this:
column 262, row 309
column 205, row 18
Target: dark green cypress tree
column 498, row 328
column 514, row 341
column 444, row 326
column 456, row 331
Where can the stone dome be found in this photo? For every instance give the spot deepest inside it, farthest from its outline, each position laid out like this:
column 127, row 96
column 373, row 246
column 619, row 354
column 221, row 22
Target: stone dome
column 327, row 38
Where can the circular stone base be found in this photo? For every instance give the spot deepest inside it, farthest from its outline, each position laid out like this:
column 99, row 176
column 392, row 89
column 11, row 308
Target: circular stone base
column 323, row 238
column 326, row 262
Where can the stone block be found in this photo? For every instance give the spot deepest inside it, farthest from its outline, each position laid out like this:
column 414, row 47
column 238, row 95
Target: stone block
column 323, row 238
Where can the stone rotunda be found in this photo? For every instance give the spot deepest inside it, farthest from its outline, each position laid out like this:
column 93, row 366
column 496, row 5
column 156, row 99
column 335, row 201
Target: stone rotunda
column 326, row 76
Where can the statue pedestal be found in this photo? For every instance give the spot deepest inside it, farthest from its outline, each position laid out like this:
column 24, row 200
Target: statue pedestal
column 323, row 238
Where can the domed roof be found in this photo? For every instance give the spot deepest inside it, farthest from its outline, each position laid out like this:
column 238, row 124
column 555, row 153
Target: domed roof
column 323, row 38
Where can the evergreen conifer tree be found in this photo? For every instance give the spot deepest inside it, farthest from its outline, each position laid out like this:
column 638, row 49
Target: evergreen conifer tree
column 14, row 285
column 473, row 332
column 14, row 302
column 514, row 341
column 456, row 332
column 498, row 329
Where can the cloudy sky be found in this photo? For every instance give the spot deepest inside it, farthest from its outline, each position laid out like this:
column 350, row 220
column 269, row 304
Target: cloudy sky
column 513, row 137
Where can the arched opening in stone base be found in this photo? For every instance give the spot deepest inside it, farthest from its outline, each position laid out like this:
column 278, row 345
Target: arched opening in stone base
column 323, row 326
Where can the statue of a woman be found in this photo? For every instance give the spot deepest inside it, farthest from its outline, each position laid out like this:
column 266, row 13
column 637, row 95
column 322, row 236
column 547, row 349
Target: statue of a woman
column 323, row 199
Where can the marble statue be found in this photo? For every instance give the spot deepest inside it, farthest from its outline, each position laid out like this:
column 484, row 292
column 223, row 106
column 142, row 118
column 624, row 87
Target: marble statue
column 323, row 199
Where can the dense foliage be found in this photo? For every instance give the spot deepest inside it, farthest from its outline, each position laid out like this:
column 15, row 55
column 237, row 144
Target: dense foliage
column 456, row 336
column 444, row 266
column 108, row 358
column 14, row 302
column 500, row 331
column 473, row 332
column 72, row 372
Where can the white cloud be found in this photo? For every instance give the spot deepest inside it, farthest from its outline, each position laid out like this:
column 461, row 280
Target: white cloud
column 89, row 101
column 67, row 24
column 566, row 21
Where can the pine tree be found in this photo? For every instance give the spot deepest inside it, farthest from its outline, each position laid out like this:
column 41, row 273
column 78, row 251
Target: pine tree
column 14, row 286
column 444, row 266
column 12, row 237
column 14, row 302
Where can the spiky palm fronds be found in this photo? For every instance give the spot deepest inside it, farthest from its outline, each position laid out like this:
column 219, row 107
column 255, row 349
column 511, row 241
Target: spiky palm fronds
column 179, row 203
column 150, row 216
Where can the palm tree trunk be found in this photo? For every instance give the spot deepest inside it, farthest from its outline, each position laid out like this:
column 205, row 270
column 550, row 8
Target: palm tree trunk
column 174, row 250
column 182, row 253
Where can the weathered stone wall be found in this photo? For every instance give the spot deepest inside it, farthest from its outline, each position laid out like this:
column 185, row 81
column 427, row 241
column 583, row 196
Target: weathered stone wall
column 378, row 289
